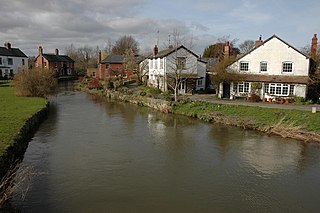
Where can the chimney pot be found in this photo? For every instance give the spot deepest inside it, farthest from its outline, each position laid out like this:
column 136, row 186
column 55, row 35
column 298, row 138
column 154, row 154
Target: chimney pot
column 227, row 49
column 314, row 45
column 40, row 50
column 155, row 50
column 7, row 45
column 57, row 52
column 259, row 42
column 99, row 57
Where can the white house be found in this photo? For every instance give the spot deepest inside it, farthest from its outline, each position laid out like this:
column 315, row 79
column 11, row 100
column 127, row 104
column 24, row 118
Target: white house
column 273, row 69
column 11, row 61
column 177, row 63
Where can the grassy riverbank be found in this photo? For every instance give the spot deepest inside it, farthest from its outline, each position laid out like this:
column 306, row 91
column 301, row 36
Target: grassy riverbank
column 297, row 124
column 14, row 113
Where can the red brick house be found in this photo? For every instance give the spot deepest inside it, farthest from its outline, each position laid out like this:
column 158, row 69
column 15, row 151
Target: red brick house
column 111, row 67
column 62, row 64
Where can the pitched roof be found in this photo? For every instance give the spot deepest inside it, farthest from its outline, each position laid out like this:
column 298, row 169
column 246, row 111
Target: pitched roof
column 14, row 52
column 274, row 36
column 113, row 59
column 167, row 52
column 58, row 58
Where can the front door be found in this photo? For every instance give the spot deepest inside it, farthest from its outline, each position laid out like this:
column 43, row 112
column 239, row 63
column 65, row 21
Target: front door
column 226, row 90
column 182, row 87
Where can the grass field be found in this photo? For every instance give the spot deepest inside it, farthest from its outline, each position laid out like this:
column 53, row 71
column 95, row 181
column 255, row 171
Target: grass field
column 14, row 111
column 258, row 117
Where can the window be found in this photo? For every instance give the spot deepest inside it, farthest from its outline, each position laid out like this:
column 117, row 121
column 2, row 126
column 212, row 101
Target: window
column 93, row 74
column 161, row 63
column 151, row 64
column 156, row 64
column 0, row 60
column 263, row 66
column 291, row 90
column 287, row 67
column 181, row 63
column 124, row 75
column 241, row 87
column 244, row 66
column 279, row 89
column 266, row 87
column 10, row 61
column 45, row 64
column 199, row 82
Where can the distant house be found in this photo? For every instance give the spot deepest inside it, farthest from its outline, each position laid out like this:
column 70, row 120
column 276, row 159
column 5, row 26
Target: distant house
column 62, row 64
column 110, row 67
column 180, row 60
column 11, row 61
column 272, row 69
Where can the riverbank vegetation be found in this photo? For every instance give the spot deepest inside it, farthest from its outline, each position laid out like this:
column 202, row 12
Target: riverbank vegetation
column 14, row 113
column 35, row 83
column 297, row 124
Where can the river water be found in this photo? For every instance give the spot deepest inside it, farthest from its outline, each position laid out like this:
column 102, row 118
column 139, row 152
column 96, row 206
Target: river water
column 101, row 156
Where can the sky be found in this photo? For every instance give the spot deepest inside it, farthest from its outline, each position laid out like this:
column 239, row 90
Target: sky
column 28, row 24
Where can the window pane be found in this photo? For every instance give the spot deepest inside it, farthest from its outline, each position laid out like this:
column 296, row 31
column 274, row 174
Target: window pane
column 266, row 88
column 291, row 90
column 246, row 87
column 263, row 67
column 244, row 66
column 287, row 67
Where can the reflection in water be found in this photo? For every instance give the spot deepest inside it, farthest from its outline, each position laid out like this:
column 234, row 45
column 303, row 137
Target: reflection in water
column 102, row 156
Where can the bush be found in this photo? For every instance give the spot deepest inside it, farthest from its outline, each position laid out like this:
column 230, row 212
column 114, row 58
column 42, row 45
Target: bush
column 35, row 82
column 94, row 84
column 254, row 98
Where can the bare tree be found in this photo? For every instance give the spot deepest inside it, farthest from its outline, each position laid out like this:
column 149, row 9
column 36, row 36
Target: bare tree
column 217, row 50
column 181, row 66
column 125, row 43
column 85, row 57
column 137, row 64
column 246, row 46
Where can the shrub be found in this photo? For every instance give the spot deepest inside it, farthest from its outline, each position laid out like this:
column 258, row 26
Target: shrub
column 254, row 98
column 94, row 84
column 35, row 82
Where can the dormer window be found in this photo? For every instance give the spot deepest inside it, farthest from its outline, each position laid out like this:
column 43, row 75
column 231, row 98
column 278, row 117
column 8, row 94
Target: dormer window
column 263, row 66
column 287, row 67
column 244, row 66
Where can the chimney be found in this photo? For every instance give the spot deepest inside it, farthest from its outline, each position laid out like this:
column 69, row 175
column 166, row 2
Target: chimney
column 99, row 57
column 314, row 45
column 40, row 51
column 226, row 51
column 57, row 52
column 7, row 45
column 155, row 50
column 259, row 42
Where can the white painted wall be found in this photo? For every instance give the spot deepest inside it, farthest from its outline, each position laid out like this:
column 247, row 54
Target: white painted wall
column 16, row 66
column 193, row 66
column 274, row 52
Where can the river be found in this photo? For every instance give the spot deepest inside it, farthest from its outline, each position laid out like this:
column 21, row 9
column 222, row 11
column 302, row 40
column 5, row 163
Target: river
column 97, row 156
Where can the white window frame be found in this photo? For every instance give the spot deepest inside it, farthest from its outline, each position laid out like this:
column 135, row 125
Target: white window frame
column 277, row 89
column 263, row 66
column 241, row 88
column 151, row 63
column 161, row 63
column 244, row 66
column 287, row 67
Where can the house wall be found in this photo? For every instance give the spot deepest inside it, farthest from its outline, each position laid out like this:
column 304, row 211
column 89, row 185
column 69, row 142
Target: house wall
column 16, row 65
column 193, row 67
column 274, row 52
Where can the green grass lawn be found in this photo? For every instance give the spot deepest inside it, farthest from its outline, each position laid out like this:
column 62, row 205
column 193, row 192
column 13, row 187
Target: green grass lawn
column 262, row 117
column 14, row 111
